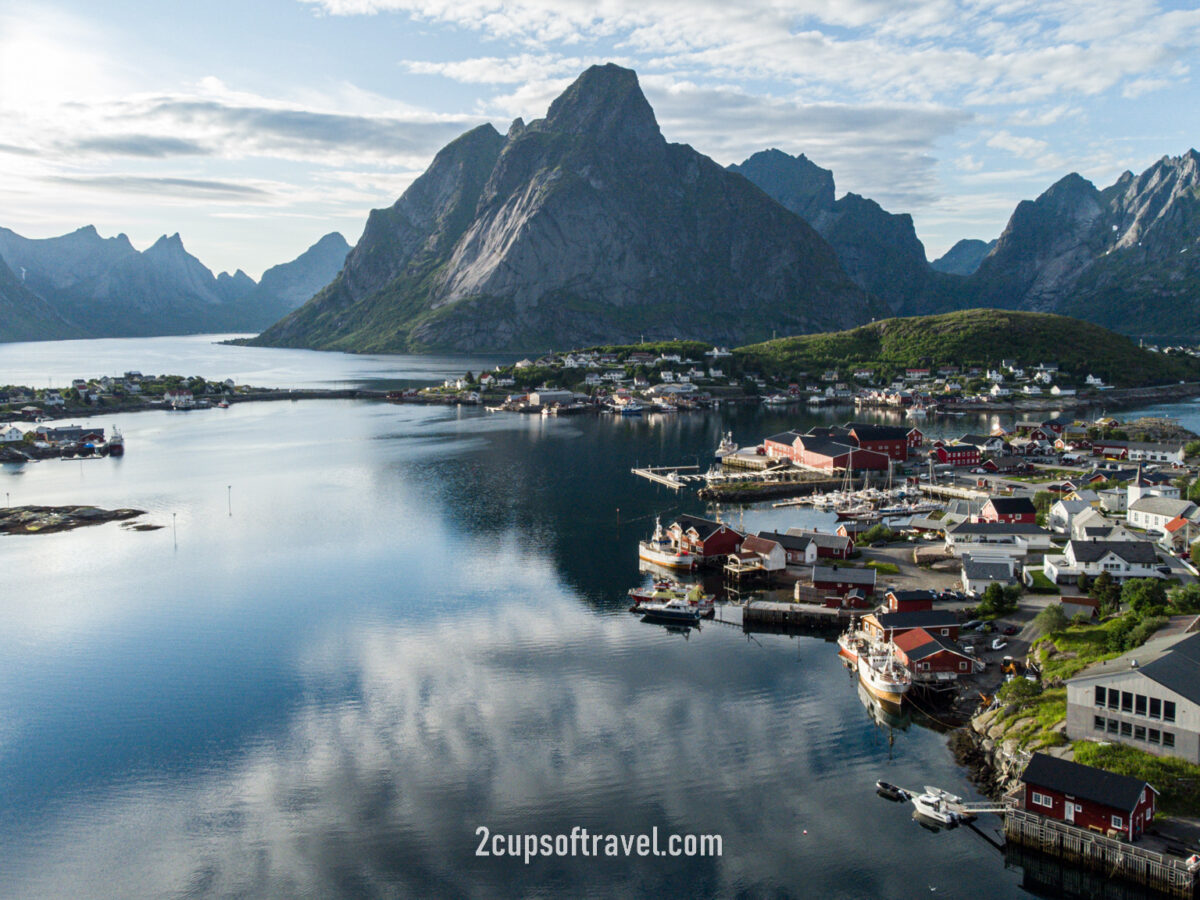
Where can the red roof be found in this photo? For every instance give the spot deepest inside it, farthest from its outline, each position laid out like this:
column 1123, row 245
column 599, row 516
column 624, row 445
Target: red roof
column 1175, row 524
column 910, row 640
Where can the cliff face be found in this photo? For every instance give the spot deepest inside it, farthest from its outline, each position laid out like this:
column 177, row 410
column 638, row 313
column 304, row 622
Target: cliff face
column 1125, row 256
column 582, row 227
column 964, row 257
column 879, row 250
column 24, row 316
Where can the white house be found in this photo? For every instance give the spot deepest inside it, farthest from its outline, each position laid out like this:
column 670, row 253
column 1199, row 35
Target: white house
column 1062, row 392
column 11, row 434
column 1063, row 512
column 1091, row 525
column 1152, row 513
column 979, row 572
column 998, row 391
column 1122, row 560
column 995, row 539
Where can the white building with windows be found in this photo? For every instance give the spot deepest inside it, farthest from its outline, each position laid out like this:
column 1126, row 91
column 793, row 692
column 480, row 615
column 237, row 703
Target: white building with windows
column 1153, row 513
column 1149, row 698
column 1122, row 560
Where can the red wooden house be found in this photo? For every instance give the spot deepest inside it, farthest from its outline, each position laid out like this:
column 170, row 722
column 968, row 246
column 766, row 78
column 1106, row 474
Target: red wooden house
column 708, row 539
column 915, row 438
column 1088, row 797
column 842, row 581
column 888, row 626
column 1009, row 510
column 928, row 655
column 821, row 452
column 890, row 440
column 958, row 454
column 909, row 601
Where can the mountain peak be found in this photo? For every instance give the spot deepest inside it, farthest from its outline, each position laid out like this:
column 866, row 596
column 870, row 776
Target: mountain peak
column 605, row 100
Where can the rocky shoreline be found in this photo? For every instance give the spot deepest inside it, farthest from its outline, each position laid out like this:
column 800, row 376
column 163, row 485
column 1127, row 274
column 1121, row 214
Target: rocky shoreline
column 993, row 758
column 50, row 519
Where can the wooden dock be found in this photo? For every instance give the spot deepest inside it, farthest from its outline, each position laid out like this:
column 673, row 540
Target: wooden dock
column 674, row 477
column 769, row 612
column 958, row 493
column 1117, row 859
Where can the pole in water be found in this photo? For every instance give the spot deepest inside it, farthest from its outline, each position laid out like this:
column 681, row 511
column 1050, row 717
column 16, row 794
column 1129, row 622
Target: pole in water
column 618, row 516
column 174, row 533
column 229, row 497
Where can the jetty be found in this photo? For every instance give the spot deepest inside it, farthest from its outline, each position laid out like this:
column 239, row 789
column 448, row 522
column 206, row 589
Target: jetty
column 673, row 477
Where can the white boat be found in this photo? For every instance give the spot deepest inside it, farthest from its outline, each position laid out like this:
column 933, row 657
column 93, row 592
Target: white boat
column 776, row 400
column 917, row 412
column 727, row 447
column 850, row 643
column 882, row 674
column 665, row 592
column 942, row 795
column 935, row 808
column 662, row 551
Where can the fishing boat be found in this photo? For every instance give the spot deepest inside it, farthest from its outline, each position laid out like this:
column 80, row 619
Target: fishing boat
column 854, row 512
column 662, row 551
column 631, row 409
column 777, row 400
column 727, row 447
column 223, row 404
column 882, row 674
column 917, row 412
column 850, row 643
column 115, row 445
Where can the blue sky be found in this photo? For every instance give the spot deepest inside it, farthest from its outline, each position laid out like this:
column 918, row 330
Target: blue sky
column 254, row 128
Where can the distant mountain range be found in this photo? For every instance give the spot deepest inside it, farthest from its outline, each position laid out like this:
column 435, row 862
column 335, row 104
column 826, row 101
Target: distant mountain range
column 83, row 285
column 587, row 227
column 582, row 227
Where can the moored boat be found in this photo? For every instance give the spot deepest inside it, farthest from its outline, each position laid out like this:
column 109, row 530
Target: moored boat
column 882, row 674
column 664, row 591
column 935, row 808
column 727, row 447
column 115, row 445
column 662, row 551
column 673, row 610
column 850, row 643
column 891, row 791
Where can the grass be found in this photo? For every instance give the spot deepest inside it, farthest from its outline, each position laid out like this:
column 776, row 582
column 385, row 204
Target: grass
column 1177, row 781
column 1047, row 710
column 1077, row 647
column 884, row 568
column 1042, row 584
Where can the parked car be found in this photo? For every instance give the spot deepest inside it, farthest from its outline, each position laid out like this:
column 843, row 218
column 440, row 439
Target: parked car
column 999, row 643
column 974, row 623
column 986, row 628
column 1010, row 630
column 969, row 649
column 879, row 543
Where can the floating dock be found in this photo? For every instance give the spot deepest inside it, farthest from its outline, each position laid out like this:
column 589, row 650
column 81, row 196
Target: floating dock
column 674, row 477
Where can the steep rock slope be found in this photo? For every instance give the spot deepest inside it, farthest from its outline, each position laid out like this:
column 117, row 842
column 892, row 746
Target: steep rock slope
column 585, row 226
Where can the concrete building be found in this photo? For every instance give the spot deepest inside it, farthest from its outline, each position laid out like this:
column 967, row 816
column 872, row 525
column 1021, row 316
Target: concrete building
column 1149, row 698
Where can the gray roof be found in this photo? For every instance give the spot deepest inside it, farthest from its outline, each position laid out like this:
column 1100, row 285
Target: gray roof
column 793, row 542
column 821, row 538
column 1084, row 782
column 1178, row 670
column 996, row 528
column 1163, row 506
column 925, row 618
column 1141, row 552
column 844, row 575
column 993, row 571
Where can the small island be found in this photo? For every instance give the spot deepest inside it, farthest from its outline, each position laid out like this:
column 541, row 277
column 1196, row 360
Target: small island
column 50, row 519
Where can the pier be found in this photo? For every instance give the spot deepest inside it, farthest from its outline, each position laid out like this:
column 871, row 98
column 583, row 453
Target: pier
column 1169, row 875
column 669, row 476
column 958, row 493
column 769, row 612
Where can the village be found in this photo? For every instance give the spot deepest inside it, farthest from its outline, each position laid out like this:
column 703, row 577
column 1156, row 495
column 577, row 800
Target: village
column 683, row 375
column 1038, row 583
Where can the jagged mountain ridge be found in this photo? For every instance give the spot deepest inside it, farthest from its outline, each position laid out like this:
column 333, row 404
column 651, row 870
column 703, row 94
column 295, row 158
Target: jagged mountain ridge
column 103, row 287
column 1124, row 256
column 584, row 226
column 879, row 250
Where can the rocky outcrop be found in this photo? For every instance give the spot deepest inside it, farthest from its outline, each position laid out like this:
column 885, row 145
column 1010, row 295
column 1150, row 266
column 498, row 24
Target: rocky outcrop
column 582, row 227
column 989, row 746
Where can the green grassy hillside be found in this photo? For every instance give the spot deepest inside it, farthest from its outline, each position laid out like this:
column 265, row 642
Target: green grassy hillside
column 980, row 337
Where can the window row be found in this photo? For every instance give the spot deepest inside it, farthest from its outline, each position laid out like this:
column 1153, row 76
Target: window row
column 1041, row 799
column 1137, row 732
column 1138, row 704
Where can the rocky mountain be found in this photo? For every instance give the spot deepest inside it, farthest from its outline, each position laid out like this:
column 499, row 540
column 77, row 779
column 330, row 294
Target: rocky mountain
column 103, row 287
column 287, row 286
column 1125, row 256
column 24, row 316
column 582, row 227
column 964, row 257
column 879, row 250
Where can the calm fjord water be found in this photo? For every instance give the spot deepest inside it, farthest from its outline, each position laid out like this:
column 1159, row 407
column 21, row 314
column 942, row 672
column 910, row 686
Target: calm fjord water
column 375, row 628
